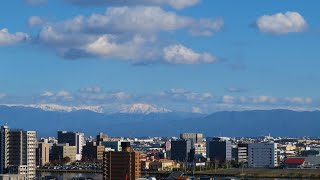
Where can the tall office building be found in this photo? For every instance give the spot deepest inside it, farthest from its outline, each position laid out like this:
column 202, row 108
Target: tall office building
column 262, row 155
column 42, row 153
column 193, row 137
column 208, row 140
column 220, row 150
column 124, row 165
column 102, row 138
column 18, row 152
column 93, row 151
column 73, row 139
column 181, row 150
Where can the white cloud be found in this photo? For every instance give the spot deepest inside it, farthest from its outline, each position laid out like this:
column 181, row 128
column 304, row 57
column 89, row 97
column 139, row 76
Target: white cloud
column 7, row 39
column 177, row 4
column 281, row 23
column 228, row 99
column 36, row 2
column 35, row 21
column 138, row 19
column 178, row 54
column 47, row 94
column 64, row 94
column 127, row 33
column 299, row 100
column 263, row 99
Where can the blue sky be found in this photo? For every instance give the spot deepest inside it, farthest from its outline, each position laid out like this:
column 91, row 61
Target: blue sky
column 184, row 55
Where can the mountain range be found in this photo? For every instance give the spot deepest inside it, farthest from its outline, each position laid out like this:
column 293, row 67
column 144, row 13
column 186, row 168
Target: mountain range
column 135, row 122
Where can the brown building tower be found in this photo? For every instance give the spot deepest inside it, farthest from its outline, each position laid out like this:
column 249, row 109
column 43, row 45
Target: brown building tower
column 124, row 165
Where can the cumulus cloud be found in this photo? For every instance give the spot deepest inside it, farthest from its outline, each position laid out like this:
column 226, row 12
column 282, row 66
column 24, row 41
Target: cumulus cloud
column 35, row 21
column 127, row 33
column 177, row 4
column 178, row 54
column 64, row 94
column 6, row 38
column 281, row 23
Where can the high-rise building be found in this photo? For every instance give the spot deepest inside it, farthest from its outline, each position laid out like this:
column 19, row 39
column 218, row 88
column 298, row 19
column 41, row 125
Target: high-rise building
column 208, row 140
column 61, row 151
column 124, row 165
column 262, row 155
column 167, row 145
column 73, row 139
column 102, row 138
column 193, row 137
column 181, row 150
column 93, row 151
column 42, row 153
column 220, row 150
column 18, row 152
column 4, row 149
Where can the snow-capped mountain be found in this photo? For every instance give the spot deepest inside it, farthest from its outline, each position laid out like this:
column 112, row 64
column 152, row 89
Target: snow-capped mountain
column 56, row 107
column 138, row 108
column 141, row 108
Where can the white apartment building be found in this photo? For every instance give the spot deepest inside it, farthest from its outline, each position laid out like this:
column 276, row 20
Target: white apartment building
column 262, row 155
column 80, row 142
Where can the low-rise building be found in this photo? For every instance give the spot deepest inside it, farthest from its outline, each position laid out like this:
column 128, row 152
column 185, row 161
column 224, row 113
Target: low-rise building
column 163, row 165
column 62, row 151
column 13, row 177
column 262, row 155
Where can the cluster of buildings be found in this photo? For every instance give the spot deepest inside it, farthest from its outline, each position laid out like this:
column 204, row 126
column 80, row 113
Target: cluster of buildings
column 124, row 158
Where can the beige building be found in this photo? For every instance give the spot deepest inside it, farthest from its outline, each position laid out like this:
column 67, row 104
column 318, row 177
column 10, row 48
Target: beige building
column 42, row 153
column 61, row 151
column 200, row 148
column 18, row 152
column 102, row 138
column 12, row 177
column 163, row 165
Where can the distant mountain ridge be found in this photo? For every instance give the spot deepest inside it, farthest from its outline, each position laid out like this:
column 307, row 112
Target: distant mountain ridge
column 245, row 123
column 139, row 108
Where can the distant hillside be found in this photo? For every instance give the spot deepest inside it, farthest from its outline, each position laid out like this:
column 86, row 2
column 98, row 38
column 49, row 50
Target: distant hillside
column 246, row 123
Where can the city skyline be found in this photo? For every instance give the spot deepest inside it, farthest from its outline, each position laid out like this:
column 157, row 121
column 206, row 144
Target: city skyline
column 198, row 56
